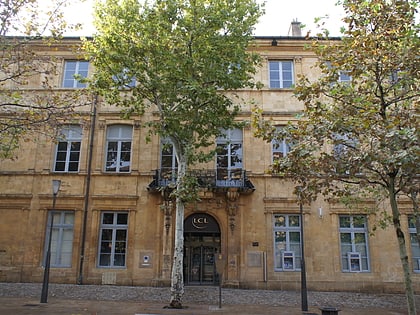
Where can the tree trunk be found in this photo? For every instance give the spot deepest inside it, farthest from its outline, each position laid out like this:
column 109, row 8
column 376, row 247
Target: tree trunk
column 403, row 250
column 177, row 277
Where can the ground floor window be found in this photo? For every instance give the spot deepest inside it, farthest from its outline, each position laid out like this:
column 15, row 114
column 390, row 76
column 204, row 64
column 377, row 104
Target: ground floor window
column 287, row 242
column 61, row 238
column 354, row 243
column 113, row 239
column 415, row 249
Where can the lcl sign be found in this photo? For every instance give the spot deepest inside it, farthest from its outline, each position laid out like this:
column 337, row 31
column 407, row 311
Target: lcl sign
column 200, row 222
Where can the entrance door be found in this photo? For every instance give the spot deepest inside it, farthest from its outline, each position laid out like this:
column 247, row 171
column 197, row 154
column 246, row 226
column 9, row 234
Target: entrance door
column 199, row 254
column 201, row 244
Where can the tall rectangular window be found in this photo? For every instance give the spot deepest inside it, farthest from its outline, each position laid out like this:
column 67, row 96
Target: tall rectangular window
column 229, row 158
column 280, row 148
column 354, row 243
column 287, row 242
column 73, row 68
column 415, row 249
column 67, row 155
column 113, row 239
column 118, row 150
column 281, row 74
column 62, row 238
column 168, row 162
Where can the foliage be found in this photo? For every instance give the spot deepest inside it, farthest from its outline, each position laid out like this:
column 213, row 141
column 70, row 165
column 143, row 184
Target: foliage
column 361, row 134
column 23, row 25
column 184, row 56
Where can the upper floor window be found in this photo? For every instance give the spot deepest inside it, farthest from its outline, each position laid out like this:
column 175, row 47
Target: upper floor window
column 118, row 148
column 168, row 162
column 72, row 70
column 287, row 242
column 229, row 158
column 67, row 155
column 280, row 148
column 415, row 248
column 343, row 76
column 281, row 74
column 113, row 239
column 354, row 243
column 124, row 79
column 61, row 238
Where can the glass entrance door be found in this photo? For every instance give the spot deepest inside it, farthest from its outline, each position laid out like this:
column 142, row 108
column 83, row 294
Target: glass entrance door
column 199, row 253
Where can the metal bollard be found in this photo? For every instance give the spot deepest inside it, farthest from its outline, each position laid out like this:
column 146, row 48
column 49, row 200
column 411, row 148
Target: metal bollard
column 329, row 310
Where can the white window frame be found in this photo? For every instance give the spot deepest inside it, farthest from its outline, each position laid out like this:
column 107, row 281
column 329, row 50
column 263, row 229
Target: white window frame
column 287, row 248
column 61, row 248
column 69, row 81
column 68, row 149
column 354, row 230
column 231, row 143
column 278, row 74
column 117, row 157
column 117, row 247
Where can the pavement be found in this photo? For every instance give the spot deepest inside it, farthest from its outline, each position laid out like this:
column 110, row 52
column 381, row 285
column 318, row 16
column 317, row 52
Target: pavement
column 24, row 299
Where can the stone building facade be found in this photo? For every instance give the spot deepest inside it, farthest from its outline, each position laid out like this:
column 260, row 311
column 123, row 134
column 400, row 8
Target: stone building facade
column 113, row 225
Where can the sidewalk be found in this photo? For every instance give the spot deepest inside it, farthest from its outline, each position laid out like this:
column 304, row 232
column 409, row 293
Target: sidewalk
column 23, row 299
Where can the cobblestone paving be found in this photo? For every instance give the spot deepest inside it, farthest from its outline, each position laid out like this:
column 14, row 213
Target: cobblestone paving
column 206, row 295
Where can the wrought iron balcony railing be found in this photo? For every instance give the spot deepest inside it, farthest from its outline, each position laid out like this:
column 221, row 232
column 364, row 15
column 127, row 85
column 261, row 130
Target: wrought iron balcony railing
column 219, row 179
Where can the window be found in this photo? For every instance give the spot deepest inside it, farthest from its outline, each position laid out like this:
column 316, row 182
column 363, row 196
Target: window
column 113, row 239
column 353, row 243
column 118, row 150
column 61, row 238
column 229, row 158
column 287, row 242
column 168, row 163
column 343, row 76
column 415, row 249
column 280, row 148
column 344, row 145
column 281, row 74
column 67, row 154
column 124, row 79
column 71, row 70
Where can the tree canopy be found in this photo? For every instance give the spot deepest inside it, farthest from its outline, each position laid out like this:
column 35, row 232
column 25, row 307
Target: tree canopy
column 186, row 58
column 24, row 26
column 359, row 129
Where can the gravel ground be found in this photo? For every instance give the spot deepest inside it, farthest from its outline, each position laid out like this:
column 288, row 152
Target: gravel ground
column 205, row 295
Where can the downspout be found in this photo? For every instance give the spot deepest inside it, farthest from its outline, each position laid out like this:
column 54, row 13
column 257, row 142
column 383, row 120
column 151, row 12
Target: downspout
column 87, row 192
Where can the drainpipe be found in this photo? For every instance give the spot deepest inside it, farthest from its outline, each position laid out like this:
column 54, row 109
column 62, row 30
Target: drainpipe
column 87, row 192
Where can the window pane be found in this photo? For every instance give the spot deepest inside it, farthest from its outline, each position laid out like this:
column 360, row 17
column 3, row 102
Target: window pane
column 122, row 218
column 108, row 218
column 279, row 221
column 294, row 220
column 345, row 222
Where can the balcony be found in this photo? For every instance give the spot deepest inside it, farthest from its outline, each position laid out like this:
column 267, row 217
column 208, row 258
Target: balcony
column 219, row 180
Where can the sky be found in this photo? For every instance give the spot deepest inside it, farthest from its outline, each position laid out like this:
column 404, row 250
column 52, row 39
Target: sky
column 276, row 21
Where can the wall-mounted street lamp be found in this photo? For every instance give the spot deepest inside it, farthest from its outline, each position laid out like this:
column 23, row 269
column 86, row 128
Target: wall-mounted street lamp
column 44, row 293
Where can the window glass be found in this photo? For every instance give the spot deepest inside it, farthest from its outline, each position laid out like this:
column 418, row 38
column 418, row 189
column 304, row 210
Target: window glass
column 287, row 242
column 72, row 69
column 354, row 244
column 118, row 151
column 113, row 239
column 67, row 154
column 281, row 74
column 415, row 248
column 61, row 238
column 229, row 158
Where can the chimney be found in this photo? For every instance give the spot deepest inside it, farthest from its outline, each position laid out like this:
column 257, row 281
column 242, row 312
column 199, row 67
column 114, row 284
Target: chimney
column 295, row 27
